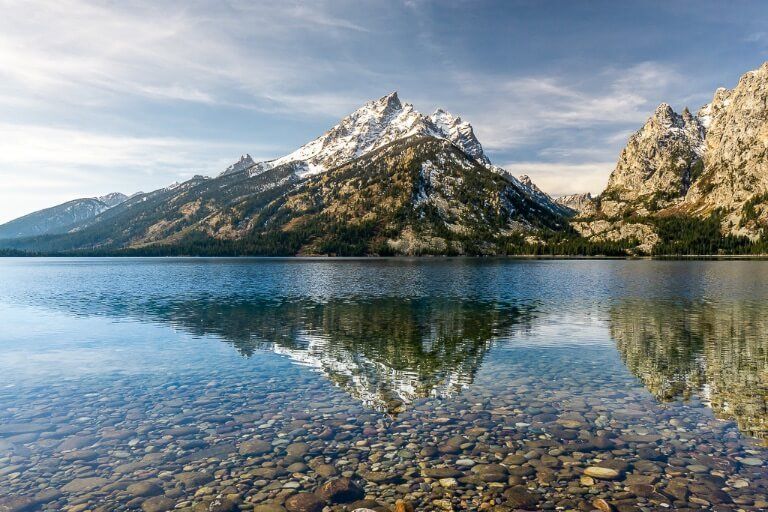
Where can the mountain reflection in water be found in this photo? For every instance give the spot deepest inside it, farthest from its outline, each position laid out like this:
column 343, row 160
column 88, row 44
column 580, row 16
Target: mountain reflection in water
column 388, row 352
column 717, row 352
column 385, row 352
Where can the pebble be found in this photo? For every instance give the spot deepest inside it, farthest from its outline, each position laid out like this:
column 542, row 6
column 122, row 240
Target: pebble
column 158, row 504
column 601, row 473
column 303, row 502
column 449, row 483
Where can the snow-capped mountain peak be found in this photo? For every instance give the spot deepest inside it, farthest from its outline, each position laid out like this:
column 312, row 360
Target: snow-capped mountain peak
column 243, row 163
column 375, row 124
column 460, row 133
column 112, row 199
column 444, row 120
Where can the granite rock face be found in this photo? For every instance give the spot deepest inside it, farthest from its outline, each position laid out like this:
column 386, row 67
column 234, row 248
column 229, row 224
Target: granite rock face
column 656, row 167
column 735, row 176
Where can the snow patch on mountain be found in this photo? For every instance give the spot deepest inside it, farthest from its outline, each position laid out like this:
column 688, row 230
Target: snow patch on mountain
column 460, row 133
column 579, row 203
column 376, row 124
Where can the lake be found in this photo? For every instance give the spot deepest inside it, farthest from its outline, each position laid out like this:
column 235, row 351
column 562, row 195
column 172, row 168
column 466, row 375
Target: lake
column 382, row 384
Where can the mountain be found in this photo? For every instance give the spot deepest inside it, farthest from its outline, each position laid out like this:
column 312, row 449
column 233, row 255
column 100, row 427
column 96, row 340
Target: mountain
column 385, row 180
column 658, row 165
column 542, row 197
column 418, row 195
column 245, row 162
column 112, row 199
column 60, row 218
column 696, row 176
column 370, row 127
column 577, row 203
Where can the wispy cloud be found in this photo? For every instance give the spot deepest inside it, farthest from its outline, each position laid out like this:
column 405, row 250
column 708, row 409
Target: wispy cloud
column 757, row 37
column 524, row 108
column 65, row 148
column 240, row 53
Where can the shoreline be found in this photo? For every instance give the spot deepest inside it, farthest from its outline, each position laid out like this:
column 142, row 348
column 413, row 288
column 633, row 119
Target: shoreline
column 669, row 257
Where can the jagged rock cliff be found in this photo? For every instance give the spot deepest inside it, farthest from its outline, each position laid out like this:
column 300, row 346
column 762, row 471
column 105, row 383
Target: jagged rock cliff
column 735, row 176
column 714, row 162
column 656, row 168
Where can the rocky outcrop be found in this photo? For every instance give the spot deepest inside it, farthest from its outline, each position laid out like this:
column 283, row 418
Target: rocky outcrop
column 112, row 199
column 602, row 230
column 243, row 163
column 656, row 168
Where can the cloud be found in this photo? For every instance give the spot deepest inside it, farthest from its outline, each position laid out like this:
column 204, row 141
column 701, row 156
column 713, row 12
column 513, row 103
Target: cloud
column 757, row 37
column 559, row 179
column 41, row 166
column 514, row 111
column 311, row 17
column 237, row 54
column 71, row 148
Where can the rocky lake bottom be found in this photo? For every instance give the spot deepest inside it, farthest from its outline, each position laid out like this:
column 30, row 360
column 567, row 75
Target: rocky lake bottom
column 274, row 386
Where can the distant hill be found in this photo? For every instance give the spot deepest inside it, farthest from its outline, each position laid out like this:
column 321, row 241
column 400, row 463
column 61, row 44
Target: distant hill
column 60, row 218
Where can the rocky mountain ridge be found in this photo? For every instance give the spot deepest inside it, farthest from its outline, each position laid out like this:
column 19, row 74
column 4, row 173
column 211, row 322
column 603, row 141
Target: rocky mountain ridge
column 385, row 180
column 376, row 124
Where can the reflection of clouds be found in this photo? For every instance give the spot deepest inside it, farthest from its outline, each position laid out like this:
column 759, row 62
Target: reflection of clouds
column 717, row 352
column 79, row 362
column 43, row 345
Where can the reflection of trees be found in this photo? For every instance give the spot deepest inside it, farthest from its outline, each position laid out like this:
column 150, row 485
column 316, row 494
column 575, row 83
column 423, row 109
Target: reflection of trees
column 719, row 352
column 385, row 352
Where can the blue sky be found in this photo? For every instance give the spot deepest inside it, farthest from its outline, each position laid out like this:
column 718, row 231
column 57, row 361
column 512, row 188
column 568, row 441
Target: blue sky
column 127, row 96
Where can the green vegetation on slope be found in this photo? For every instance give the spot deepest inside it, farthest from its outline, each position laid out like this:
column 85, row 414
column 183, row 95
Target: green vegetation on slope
column 681, row 235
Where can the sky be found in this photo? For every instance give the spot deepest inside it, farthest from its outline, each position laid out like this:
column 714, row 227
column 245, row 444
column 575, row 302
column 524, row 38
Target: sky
column 132, row 96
